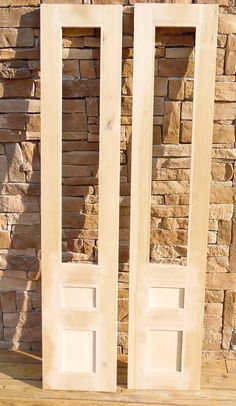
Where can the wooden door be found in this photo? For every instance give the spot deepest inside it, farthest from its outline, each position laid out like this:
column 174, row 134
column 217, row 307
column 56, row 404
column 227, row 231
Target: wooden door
column 167, row 301
column 80, row 300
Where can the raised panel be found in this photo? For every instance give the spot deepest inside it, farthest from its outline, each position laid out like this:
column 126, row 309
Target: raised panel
column 79, row 351
column 164, row 351
column 81, row 297
column 166, row 297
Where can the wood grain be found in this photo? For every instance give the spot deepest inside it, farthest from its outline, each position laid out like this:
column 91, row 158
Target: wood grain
column 66, row 369
column 180, row 367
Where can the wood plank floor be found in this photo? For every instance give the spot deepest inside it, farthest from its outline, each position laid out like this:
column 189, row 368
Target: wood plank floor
column 20, row 384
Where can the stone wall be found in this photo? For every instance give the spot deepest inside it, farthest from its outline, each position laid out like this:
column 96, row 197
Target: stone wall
column 20, row 322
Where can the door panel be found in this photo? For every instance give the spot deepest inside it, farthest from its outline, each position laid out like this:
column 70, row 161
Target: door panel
column 167, row 301
column 80, row 300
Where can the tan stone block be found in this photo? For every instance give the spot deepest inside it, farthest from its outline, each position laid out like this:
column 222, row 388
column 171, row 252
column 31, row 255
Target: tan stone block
column 187, row 110
column 23, row 218
column 12, row 37
column 21, row 242
column 174, row 40
column 220, row 61
column 19, row 106
column 186, row 132
column 220, row 281
column 176, row 89
column 126, row 105
column 171, row 123
column 167, row 237
column 160, row 86
column 8, row 301
column 218, row 250
column 74, row 122
column 36, row 300
column 26, row 335
column 229, row 308
column 70, row 69
column 5, row 239
column 223, row 134
column 169, row 211
column 218, row 264
column 87, row 69
column 227, row 24
column 20, row 189
column 72, row 88
column 224, row 153
column 221, row 211
column 19, row 53
column 123, row 306
column 168, row 251
column 179, row 53
column 188, row 92
column 31, row 158
column 75, row 171
column 224, row 232
column 75, row 106
column 230, row 62
column 227, row 335
column 225, row 91
column 22, row 319
column 123, row 342
column 170, row 174
column 80, row 158
column 170, row 187
column 14, row 70
column 92, row 106
column 214, row 296
column 3, row 221
column 93, row 42
column 3, row 169
column 77, row 190
column 221, row 40
column 12, row 121
column 72, row 204
column 176, row 67
column 213, row 309
column 222, row 194
column 15, row 3
column 156, row 135
column 171, row 151
column 127, row 86
column 21, row 88
column 220, row 2
column 213, row 323
column 23, row 302
column 12, row 136
column 15, row 162
column 221, row 171
column 158, row 106
column 20, row 17
column 14, row 204
column 127, row 67
column 212, row 237
column 78, row 31
column 68, row 42
column 76, row 53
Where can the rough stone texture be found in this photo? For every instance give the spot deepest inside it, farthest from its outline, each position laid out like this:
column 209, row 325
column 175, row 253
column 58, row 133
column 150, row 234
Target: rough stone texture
column 20, row 297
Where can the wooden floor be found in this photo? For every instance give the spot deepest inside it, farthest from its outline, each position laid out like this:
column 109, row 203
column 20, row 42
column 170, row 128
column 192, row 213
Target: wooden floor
column 20, row 385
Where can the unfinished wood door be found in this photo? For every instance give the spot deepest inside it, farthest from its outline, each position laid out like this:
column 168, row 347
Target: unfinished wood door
column 167, row 301
column 80, row 300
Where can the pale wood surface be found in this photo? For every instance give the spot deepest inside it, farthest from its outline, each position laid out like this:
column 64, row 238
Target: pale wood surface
column 92, row 339
column 145, row 321
column 20, row 383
